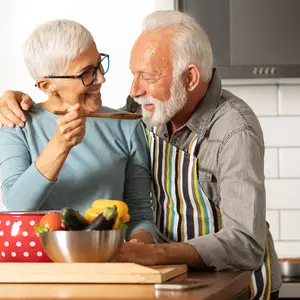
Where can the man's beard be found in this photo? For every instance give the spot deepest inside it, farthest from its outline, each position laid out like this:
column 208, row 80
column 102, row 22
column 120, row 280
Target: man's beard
column 164, row 111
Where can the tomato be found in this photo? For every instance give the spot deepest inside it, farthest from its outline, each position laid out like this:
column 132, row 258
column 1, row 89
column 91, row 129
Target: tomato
column 52, row 221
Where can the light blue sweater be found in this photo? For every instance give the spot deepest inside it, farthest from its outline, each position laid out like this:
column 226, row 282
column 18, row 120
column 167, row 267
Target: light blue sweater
column 112, row 162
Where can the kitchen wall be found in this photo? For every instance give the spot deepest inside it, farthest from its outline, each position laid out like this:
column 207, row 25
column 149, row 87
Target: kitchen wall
column 115, row 24
column 278, row 109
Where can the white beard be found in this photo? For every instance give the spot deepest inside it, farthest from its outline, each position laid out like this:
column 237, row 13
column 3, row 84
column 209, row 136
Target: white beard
column 164, row 111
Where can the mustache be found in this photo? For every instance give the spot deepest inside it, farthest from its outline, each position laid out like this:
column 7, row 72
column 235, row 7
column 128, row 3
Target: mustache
column 142, row 100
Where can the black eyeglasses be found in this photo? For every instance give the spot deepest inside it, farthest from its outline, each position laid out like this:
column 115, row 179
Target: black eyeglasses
column 89, row 76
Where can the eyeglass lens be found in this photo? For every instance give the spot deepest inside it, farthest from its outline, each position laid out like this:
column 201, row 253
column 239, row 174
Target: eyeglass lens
column 91, row 74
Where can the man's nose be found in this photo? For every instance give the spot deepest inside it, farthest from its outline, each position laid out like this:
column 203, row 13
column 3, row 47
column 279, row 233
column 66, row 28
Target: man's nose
column 136, row 88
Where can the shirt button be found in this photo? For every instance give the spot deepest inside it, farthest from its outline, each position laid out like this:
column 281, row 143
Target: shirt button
column 165, row 135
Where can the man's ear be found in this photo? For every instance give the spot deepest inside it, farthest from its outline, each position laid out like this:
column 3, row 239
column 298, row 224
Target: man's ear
column 192, row 77
column 46, row 86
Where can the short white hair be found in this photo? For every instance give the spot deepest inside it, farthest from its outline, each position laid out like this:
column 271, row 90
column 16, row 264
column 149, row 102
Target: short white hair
column 190, row 44
column 52, row 47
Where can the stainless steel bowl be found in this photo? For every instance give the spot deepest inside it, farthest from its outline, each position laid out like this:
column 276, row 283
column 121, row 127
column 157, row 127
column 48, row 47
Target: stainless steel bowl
column 82, row 246
column 290, row 268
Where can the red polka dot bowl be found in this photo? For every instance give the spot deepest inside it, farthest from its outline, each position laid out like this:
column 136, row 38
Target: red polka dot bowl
column 19, row 242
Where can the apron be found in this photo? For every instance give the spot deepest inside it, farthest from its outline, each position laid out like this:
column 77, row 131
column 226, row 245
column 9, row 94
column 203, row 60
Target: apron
column 182, row 211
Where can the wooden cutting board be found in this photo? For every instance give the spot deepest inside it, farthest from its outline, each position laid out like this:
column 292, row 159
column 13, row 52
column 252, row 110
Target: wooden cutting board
column 87, row 273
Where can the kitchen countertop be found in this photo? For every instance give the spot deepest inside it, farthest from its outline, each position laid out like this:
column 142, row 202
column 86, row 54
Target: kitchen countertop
column 223, row 285
column 290, row 290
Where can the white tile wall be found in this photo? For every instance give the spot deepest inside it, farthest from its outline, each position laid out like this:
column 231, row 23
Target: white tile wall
column 278, row 109
column 289, row 160
column 289, row 233
column 283, row 193
column 289, row 100
column 281, row 131
column 273, row 220
column 271, row 163
column 287, row 248
column 260, row 98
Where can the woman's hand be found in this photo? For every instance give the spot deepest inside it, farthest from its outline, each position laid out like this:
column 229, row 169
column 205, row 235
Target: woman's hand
column 70, row 128
column 70, row 131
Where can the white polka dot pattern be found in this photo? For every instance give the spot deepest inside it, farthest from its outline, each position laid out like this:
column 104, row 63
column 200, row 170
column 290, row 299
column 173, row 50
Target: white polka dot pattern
column 19, row 241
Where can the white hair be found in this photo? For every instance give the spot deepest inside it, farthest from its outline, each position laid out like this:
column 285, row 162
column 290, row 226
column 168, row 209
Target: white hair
column 52, row 47
column 190, row 44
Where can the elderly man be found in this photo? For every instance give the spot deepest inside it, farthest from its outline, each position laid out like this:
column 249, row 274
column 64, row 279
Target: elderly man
column 207, row 154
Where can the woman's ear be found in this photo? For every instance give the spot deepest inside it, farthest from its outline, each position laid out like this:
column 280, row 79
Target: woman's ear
column 46, row 86
column 192, row 77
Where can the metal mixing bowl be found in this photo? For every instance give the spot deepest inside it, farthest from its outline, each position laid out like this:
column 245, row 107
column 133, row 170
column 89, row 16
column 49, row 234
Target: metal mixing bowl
column 82, row 246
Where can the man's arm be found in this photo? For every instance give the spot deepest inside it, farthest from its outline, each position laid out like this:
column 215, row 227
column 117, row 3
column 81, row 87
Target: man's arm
column 240, row 244
column 11, row 105
column 160, row 254
column 241, row 241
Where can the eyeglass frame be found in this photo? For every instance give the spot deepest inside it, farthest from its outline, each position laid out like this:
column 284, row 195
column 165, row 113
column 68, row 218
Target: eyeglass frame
column 84, row 72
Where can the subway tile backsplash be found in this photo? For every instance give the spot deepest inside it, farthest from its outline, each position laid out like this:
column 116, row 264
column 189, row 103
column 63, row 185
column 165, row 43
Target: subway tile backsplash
column 289, row 162
column 288, row 100
column 277, row 107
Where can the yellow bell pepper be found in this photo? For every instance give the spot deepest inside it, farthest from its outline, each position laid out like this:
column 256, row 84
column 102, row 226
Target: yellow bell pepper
column 99, row 205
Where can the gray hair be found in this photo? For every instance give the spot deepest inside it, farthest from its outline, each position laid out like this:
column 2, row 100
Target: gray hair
column 190, row 45
column 52, row 47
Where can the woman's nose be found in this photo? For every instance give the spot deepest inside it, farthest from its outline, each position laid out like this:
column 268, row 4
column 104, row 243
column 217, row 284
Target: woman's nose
column 99, row 77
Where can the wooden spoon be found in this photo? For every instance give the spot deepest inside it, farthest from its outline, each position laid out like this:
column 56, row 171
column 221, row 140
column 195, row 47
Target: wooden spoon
column 126, row 116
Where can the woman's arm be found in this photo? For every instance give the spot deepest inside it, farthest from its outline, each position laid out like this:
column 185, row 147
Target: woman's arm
column 23, row 186
column 137, row 193
column 70, row 131
column 26, row 184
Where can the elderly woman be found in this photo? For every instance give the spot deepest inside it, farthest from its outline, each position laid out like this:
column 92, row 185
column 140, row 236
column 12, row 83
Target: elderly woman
column 71, row 160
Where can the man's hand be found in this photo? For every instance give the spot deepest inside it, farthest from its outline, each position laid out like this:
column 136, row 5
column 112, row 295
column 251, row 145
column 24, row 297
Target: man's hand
column 160, row 254
column 140, row 253
column 11, row 105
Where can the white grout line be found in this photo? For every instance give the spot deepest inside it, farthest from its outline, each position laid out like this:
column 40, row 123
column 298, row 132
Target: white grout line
column 284, row 209
column 283, row 178
column 281, row 147
column 278, row 93
column 279, row 225
column 278, row 116
column 278, row 162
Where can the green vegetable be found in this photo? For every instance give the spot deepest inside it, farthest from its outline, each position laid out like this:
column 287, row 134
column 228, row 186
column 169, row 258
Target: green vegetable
column 122, row 225
column 72, row 219
column 41, row 229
